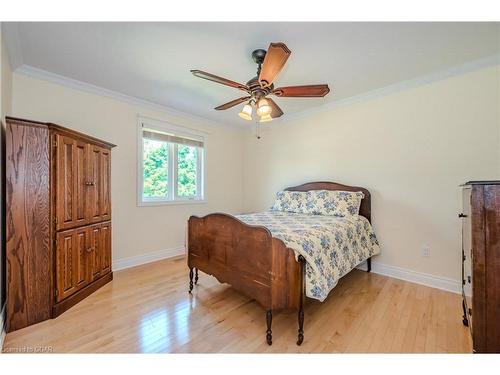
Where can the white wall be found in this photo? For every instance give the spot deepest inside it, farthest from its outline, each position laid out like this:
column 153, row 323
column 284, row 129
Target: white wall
column 5, row 80
column 411, row 149
column 136, row 230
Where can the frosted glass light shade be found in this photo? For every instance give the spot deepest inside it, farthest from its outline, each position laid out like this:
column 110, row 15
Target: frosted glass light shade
column 266, row 118
column 246, row 112
column 263, row 107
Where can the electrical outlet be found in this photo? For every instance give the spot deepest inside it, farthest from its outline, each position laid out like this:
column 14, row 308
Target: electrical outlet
column 426, row 251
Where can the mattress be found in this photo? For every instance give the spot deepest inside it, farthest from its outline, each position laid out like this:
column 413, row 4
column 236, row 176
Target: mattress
column 332, row 246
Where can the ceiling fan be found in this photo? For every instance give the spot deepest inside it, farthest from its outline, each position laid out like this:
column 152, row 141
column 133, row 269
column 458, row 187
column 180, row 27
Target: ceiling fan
column 270, row 62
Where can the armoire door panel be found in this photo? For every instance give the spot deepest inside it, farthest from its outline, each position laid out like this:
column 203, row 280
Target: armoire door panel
column 95, row 256
column 94, row 184
column 71, row 262
column 105, row 188
column 81, row 155
column 65, row 181
column 71, row 170
column 65, row 264
column 105, row 248
column 82, row 248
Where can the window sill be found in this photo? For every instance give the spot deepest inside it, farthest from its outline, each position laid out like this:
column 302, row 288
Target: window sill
column 172, row 203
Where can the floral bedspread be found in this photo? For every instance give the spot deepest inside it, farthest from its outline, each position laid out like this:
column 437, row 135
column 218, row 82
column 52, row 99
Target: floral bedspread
column 331, row 245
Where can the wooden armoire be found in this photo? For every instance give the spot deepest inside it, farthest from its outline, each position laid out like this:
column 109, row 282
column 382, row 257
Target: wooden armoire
column 58, row 219
column 481, row 264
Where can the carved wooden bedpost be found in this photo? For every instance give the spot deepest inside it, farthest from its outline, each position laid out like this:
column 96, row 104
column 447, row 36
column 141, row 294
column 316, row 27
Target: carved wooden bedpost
column 190, row 280
column 300, row 337
column 269, row 332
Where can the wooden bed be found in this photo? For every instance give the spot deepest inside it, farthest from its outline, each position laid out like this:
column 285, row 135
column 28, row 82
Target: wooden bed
column 252, row 261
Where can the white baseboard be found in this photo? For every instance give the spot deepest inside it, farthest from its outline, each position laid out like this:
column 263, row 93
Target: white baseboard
column 121, row 264
column 2, row 327
column 439, row 282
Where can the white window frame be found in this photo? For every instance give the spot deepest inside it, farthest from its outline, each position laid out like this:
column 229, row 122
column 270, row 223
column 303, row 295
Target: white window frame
column 172, row 198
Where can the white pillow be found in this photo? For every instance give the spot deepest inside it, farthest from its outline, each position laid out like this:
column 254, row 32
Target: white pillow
column 290, row 201
column 333, row 202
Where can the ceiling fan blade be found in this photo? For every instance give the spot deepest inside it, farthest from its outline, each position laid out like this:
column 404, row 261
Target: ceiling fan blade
column 276, row 111
column 308, row 91
column 275, row 60
column 222, row 81
column 232, row 103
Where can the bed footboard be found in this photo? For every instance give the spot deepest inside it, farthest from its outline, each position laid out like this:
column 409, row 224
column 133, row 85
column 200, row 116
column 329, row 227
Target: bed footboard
column 250, row 260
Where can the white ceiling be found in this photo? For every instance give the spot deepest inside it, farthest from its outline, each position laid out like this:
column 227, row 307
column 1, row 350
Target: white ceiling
column 151, row 61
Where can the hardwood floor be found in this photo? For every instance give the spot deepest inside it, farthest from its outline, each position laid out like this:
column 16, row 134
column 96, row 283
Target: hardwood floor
column 148, row 309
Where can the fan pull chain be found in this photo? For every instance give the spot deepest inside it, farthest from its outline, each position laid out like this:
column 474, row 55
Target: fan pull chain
column 257, row 130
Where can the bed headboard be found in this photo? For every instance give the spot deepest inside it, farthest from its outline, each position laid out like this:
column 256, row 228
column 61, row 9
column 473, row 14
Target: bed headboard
column 365, row 209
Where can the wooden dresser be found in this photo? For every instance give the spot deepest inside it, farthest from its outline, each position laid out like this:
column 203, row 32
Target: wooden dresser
column 481, row 263
column 58, row 215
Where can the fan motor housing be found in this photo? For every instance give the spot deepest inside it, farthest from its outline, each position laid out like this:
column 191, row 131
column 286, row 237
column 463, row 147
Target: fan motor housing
column 256, row 90
column 258, row 56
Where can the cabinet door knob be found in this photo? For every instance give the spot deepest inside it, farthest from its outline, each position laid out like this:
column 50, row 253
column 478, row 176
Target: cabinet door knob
column 90, row 183
column 89, row 250
column 462, row 215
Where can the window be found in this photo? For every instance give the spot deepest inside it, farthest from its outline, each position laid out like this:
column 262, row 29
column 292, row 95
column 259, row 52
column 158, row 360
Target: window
column 171, row 164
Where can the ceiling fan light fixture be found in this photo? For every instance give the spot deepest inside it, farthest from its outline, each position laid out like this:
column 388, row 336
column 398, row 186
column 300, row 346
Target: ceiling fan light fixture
column 246, row 112
column 270, row 64
column 266, row 118
column 263, row 107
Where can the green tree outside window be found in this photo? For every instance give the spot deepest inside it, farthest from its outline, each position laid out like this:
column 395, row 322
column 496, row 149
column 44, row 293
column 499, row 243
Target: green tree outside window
column 186, row 171
column 155, row 159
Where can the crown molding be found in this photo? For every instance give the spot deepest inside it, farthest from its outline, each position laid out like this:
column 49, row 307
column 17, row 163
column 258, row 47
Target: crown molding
column 31, row 71
column 457, row 70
